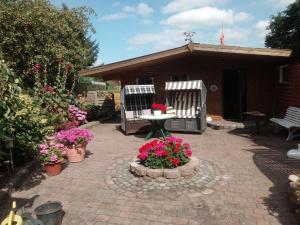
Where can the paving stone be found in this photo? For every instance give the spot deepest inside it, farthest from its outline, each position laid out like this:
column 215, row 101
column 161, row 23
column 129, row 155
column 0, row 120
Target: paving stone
column 155, row 173
column 171, row 173
column 140, row 170
column 248, row 175
column 186, row 170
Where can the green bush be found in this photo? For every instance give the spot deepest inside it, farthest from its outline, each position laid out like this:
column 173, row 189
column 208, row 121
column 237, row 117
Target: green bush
column 93, row 111
column 28, row 126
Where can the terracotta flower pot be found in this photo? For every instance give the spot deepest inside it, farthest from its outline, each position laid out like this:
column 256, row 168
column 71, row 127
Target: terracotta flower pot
column 53, row 169
column 76, row 153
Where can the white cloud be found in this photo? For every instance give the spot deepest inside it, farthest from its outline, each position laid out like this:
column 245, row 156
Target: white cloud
column 165, row 39
column 280, row 3
column 182, row 5
column 128, row 8
column 234, row 34
column 147, row 22
column 114, row 16
column 206, row 16
column 261, row 29
column 142, row 9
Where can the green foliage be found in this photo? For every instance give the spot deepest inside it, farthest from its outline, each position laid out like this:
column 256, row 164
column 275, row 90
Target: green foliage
column 36, row 31
column 55, row 96
column 94, row 112
column 284, row 28
column 28, row 126
column 9, row 90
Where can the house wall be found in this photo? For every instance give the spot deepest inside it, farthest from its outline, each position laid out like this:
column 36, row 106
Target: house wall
column 262, row 78
column 289, row 94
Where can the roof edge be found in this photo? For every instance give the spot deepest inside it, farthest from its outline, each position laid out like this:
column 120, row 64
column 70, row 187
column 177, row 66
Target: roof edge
column 189, row 48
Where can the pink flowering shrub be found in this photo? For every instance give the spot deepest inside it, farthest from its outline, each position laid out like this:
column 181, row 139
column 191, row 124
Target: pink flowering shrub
column 77, row 115
column 171, row 153
column 51, row 154
column 74, row 136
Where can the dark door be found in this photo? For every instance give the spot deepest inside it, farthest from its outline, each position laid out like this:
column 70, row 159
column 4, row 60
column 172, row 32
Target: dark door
column 234, row 94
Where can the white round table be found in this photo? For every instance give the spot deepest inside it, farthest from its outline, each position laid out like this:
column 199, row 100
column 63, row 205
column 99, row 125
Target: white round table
column 158, row 124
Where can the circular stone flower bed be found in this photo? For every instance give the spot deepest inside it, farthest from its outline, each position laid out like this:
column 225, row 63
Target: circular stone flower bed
column 188, row 169
column 170, row 158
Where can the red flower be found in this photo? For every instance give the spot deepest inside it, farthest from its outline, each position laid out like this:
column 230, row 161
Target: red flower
column 176, row 162
column 159, row 107
column 165, row 153
column 177, row 148
column 48, row 88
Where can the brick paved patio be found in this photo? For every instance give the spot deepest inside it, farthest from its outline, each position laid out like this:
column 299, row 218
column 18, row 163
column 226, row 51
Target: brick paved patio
column 250, row 189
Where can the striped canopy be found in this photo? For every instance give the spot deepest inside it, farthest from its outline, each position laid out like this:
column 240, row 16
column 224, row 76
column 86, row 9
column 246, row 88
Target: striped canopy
column 139, row 89
column 184, row 85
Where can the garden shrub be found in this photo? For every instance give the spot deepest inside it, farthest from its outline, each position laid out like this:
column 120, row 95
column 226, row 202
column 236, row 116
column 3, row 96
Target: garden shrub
column 93, row 111
column 28, row 126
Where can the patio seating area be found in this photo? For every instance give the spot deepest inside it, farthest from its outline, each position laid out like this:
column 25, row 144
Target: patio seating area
column 242, row 180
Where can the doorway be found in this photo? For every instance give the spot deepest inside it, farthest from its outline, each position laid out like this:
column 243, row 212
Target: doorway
column 234, row 94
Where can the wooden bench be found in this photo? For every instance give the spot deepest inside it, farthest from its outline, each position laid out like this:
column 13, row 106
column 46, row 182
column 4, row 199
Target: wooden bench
column 291, row 121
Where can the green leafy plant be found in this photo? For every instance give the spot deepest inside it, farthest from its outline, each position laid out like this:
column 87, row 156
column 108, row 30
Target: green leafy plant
column 28, row 126
column 93, row 111
column 57, row 97
column 38, row 31
column 9, row 91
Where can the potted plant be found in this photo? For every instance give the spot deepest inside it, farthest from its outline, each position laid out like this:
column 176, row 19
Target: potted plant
column 51, row 158
column 76, row 140
column 158, row 109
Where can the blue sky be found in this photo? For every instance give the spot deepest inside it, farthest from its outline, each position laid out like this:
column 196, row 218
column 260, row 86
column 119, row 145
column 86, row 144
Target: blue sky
column 131, row 28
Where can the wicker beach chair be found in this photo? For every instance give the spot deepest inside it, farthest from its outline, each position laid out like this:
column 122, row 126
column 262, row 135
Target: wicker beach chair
column 188, row 100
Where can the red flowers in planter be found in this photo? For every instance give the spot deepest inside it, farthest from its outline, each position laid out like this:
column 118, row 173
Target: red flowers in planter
column 170, row 153
column 161, row 107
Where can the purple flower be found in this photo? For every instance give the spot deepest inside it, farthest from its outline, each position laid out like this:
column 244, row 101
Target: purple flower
column 74, row 136
column 53, row 158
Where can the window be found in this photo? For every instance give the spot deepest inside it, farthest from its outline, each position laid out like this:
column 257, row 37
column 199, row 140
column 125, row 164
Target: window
column 179, row 78
column 283, row 74
column 144, row 80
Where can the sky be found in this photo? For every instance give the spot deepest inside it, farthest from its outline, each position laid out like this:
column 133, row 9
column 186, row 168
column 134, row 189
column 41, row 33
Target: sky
column 132, row 28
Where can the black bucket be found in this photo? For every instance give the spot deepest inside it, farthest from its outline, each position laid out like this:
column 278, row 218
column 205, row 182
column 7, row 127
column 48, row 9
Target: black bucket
column 50, row 213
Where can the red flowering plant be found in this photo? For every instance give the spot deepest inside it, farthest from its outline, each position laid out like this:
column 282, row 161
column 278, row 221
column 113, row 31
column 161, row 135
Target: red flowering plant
column 156, row 106
column 170, row 153
column 55, row 91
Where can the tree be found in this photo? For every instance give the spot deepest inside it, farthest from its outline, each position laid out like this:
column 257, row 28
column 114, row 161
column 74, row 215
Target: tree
column 284, row 28
column 35, row 31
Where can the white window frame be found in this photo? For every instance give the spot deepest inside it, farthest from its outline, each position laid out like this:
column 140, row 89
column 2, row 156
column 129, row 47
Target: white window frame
column 139, row 78
column 281, row 68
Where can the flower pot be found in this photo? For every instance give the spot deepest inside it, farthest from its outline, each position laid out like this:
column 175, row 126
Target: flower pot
column 157, row 112
column 53, row 169
column 76, row 153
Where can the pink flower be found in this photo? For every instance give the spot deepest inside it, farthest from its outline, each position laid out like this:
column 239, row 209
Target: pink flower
column 42, row 146
column 188, row 152
column 159, row 153
column 143, row 155
column 53, row 158
column 44, row 151
column 186, row 145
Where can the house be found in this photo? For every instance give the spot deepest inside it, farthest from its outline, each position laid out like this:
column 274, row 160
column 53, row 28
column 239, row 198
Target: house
column 238, row 79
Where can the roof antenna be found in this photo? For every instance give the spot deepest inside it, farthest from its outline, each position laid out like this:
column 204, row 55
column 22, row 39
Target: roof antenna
column 222, row 36
column 188, row 36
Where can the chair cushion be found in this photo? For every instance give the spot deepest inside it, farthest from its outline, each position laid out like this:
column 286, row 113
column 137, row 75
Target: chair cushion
column 186, row 103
